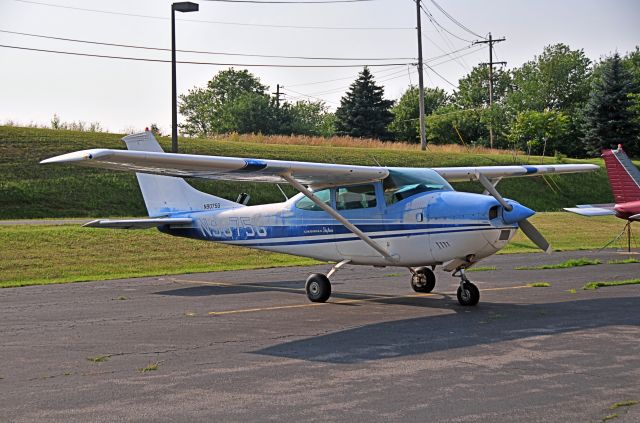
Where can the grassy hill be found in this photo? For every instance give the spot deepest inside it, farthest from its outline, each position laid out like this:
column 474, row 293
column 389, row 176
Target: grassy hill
column 30, row 190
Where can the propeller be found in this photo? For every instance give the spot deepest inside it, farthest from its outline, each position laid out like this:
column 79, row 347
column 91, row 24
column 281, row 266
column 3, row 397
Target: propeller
column 519, row 215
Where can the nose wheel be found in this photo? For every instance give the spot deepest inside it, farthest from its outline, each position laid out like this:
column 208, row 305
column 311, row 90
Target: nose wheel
column 318, row 288
column 468, row 294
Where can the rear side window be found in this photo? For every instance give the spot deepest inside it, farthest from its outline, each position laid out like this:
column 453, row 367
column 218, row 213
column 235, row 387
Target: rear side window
column 356, row 197
column 306, row 204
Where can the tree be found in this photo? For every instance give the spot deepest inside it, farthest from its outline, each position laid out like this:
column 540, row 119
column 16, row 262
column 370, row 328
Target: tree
column 609, row 115
column 363, row 111
column 211, row 110
column 473, row 89
column 451, row 125
column 155, row 130
column 540, row 132
column 405, row 125
column 248, row 113
column 304, row 118
column 556, row 80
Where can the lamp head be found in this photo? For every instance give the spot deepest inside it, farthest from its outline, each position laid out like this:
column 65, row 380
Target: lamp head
column 185, row 6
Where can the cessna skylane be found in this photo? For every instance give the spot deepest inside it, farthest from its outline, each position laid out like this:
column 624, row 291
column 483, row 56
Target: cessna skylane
column 360, row 215
column 624, row 179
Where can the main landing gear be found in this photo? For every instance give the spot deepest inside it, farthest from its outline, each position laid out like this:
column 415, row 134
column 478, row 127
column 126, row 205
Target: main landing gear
column 422, row 279
column 468, row 294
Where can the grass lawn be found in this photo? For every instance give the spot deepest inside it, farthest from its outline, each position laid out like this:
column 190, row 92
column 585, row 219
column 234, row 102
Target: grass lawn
column 39, row 254
column 30, row 190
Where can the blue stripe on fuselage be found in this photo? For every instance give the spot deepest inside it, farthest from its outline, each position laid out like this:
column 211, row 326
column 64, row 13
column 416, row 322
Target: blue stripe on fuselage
column 310, row 234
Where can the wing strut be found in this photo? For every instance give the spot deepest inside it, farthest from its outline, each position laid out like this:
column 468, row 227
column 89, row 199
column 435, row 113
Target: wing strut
column 297, row 185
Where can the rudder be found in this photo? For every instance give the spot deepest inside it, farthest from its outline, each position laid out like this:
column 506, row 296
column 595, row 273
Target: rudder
column 624, row 177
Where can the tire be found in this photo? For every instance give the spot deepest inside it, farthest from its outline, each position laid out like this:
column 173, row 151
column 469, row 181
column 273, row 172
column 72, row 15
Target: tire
column 468, row 294
column 423, row 280
column 318, row 288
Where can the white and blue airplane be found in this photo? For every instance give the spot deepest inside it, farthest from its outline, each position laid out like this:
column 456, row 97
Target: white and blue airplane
column 361, row 215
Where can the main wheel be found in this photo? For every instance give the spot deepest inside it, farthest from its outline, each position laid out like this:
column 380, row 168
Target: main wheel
column 318, row 288
column 468, row 294
column 423, row 280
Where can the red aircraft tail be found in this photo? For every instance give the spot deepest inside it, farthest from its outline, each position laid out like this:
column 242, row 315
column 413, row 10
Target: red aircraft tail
column 624, row 177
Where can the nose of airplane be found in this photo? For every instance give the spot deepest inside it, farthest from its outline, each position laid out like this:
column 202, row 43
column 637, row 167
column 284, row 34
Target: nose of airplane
column 518, row 213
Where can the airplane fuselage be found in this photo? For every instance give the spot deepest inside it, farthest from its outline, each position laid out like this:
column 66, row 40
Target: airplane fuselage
column 628, row 209
column 425, row 229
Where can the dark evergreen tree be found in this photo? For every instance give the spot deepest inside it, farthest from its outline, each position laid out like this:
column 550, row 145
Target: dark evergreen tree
column 363, row 111
column 609, row 118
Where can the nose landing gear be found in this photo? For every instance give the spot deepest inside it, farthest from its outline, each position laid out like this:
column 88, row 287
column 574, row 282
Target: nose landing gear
column 468, row 294
column 318, row 287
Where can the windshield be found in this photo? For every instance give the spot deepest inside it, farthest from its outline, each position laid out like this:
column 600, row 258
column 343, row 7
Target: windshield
column 406, row 182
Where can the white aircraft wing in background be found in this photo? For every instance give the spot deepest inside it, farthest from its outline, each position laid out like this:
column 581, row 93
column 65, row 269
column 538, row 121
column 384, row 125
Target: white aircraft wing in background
column 592, row 209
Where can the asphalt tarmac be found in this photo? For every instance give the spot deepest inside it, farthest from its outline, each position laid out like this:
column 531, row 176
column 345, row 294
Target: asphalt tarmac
column 248, row 346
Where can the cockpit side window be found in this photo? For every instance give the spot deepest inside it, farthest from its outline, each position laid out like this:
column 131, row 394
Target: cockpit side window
column 356, row 197
column 306, row 204
column 405, row 183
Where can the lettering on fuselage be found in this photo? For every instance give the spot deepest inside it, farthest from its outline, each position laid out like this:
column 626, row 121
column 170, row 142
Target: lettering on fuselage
column 234, row 228
column 319, row 231
column 210, row 206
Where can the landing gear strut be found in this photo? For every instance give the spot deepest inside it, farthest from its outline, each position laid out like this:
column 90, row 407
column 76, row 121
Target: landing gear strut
column 468, row 294
column 422, row 280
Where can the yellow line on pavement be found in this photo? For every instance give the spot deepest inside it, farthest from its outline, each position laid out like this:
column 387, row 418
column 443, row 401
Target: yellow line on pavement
column 353, row 301
column 369, row 297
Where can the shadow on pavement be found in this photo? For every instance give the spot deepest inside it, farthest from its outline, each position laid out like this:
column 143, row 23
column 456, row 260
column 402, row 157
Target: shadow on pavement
column 487, row 323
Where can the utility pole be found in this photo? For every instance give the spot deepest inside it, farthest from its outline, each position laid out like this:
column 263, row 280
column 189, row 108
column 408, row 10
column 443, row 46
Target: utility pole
column 278, row 94
column 423, row 134
column 491, row 41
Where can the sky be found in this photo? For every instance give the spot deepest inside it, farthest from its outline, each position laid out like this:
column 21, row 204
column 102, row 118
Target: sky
column 126, row 95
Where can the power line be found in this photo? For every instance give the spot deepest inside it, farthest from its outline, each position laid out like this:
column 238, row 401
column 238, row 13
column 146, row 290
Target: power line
column 343, row 88
column 309, row 96
column 337, row 79
column 248, row 65
column 391, row 72
column 198, row 51
column 437, row 25
column 441, row 77
column 107, row 12
column 455, row 21
column 435, row 22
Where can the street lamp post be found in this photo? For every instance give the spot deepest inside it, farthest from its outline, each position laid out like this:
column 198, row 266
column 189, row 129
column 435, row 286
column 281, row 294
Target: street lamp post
column 185, row 6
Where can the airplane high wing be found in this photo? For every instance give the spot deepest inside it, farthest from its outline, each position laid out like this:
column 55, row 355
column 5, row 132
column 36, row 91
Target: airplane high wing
column 259, row 170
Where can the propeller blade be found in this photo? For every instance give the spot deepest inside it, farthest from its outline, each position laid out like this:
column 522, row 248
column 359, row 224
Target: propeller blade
column 534, row 235
column 486, row 183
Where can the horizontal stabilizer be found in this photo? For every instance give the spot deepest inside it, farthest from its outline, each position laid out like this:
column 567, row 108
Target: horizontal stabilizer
column 139, row 223
column 635, row 217
column 586, row 210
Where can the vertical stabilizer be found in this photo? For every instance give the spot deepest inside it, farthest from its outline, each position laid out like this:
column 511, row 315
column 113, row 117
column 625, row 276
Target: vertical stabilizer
column 165, row 195
column 624, row 177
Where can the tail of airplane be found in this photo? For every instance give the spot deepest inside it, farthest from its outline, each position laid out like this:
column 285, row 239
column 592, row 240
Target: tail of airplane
column 624, row 177
column 166, row 195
